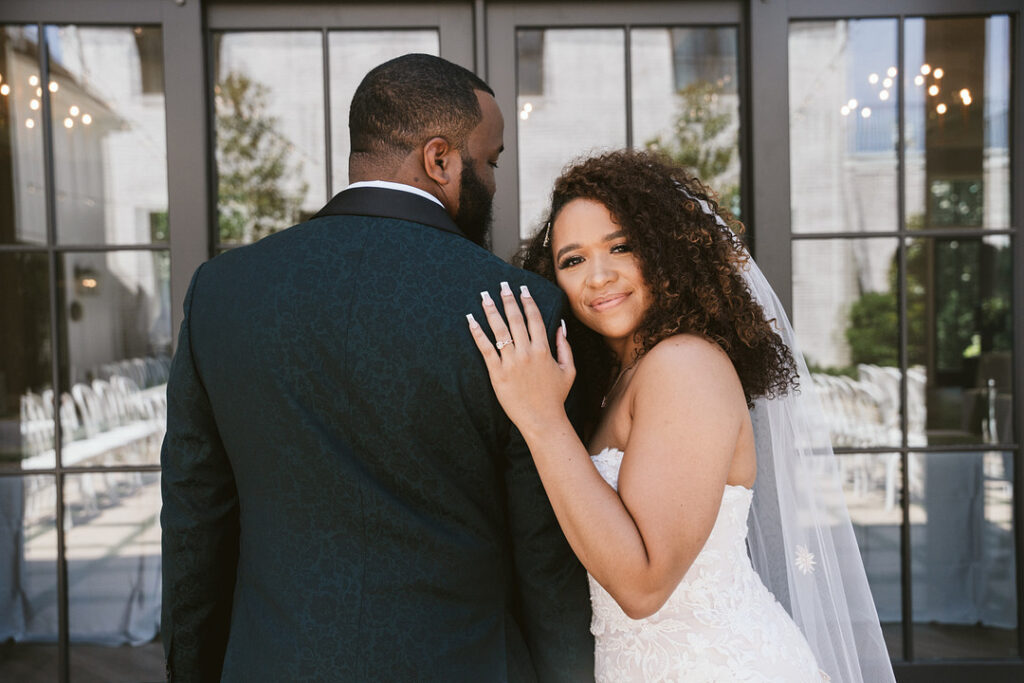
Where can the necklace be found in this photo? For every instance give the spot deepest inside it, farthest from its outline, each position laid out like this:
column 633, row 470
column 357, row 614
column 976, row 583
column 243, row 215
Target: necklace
column 604, row 399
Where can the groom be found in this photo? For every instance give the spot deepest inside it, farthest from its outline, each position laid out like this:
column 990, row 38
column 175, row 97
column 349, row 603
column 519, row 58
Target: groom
column 344, row 499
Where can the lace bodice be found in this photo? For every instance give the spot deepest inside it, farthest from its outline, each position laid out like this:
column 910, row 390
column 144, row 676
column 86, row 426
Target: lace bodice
column 720, row 623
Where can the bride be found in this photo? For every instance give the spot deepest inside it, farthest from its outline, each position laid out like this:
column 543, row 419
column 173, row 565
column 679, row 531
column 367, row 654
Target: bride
column 718, row 546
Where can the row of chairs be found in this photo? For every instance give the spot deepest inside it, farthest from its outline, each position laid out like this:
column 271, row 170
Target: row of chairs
column 117, row 418
column 865, row 412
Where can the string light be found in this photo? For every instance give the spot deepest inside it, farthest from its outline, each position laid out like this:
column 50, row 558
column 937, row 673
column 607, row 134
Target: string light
column 941, row 108
column 872, row 79
column 5, row 89
column 33, row 80
column 73, row 110
column 86, row 119
column 844, row 110
column 865, row 112
column 68, row 122
column 30, row 123
column 938, row 73
column 852, row 104
column 919, row 80
column 54, row 87
column 891, row 72
column 33, row 105
column 887, row 83
column 926, row 69
column 933, row 90
column 884, row 95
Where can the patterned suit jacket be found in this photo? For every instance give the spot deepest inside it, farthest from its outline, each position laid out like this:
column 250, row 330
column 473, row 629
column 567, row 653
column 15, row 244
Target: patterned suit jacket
column 343, row 497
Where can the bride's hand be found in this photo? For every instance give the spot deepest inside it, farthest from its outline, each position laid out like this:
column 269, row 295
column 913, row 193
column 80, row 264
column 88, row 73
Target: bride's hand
column 530, row 385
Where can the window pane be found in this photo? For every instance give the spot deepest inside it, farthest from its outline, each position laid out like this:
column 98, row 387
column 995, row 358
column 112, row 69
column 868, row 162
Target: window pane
column 115, row 356
column 113, row 556
column 872, row 485
column 845, row 312
column 269, row 104
column 957, row 80
column 843, row 125
column 686, row 102
column 26, row 365
column 962, row 554
column 352, row 55
column 109, row 138
column 22, row 184
column 571, row 102
column 28, row 578
column 961, row 336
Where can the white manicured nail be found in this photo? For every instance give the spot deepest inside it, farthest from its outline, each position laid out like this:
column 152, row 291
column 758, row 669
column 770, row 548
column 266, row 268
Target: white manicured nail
column 565, row 333
column 472, row 321
column 485, row 296
column 505, row 289
column 525, row 291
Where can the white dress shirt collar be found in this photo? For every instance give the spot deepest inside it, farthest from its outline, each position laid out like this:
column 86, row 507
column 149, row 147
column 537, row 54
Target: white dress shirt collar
column 387, row 184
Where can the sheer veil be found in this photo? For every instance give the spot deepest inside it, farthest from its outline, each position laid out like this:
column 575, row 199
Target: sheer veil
column 801, row 541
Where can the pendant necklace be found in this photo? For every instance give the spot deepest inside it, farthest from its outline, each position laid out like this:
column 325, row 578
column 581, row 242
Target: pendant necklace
column 604, row 399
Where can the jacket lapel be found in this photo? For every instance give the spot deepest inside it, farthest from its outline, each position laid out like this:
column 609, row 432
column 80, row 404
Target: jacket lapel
column 381, row 202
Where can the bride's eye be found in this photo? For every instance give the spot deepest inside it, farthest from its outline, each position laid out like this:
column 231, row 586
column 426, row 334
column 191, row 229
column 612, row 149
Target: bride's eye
column 569, row 261
column 621, row 248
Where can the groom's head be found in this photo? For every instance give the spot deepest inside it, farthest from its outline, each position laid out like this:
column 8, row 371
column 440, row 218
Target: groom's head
column 425, row 122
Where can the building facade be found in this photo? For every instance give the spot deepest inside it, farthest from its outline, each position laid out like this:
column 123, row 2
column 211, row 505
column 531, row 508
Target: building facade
column 871, row 149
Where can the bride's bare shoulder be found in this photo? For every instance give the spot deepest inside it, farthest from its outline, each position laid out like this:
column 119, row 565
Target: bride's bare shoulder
column 686, row 362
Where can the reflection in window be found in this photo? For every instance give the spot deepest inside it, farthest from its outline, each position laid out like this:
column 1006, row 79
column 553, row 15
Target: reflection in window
column 872, row 488
column 269, row 103
column 962, row 555
column 28, row 575
column 960, row 332
column 113, row 556
column 115, row 357
column 582, row 110
column 26, row 370
column 686, row 104
column 957, row 82
column 352, row 55
column 109, row 138
column 843, row 126
column 22, row 191
column 846, row 315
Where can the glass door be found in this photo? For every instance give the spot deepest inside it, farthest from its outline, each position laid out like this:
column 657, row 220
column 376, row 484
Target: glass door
column 577, row 78
column 281, row 80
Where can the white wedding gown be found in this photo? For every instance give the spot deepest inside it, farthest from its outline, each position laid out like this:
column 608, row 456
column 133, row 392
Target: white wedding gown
column 720, row 624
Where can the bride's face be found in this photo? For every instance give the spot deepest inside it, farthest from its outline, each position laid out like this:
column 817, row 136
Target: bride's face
column 598, row 271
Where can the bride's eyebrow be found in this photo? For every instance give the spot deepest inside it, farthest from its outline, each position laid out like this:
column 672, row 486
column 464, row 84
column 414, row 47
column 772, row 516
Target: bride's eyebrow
column 566, row 248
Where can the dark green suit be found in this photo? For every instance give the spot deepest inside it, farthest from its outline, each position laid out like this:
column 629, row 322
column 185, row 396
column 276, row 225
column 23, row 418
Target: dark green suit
column 344, row 499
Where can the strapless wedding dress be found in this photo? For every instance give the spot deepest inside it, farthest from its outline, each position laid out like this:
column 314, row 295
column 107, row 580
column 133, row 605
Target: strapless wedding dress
column 720, row 624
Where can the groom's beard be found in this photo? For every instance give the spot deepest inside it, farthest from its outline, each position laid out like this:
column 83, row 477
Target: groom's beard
column 475, row 205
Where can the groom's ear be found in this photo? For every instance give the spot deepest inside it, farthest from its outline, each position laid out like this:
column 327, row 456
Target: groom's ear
column 441, row 161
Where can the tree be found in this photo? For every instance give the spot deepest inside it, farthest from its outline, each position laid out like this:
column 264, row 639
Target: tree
column 701, row 140
column 253, row 159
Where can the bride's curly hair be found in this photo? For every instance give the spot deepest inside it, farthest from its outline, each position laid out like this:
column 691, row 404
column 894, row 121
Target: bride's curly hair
column 689, row 261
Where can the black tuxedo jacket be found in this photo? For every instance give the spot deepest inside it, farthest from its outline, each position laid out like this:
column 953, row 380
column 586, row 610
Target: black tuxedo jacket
column 343, row 497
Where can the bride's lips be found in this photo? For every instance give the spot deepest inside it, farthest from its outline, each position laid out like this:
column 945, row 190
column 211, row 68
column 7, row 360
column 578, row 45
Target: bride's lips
column 603, row 303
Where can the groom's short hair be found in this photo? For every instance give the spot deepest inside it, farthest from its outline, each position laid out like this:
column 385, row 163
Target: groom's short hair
column 404, row 102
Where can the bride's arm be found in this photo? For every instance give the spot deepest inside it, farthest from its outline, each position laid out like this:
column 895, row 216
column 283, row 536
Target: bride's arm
column 638, row 543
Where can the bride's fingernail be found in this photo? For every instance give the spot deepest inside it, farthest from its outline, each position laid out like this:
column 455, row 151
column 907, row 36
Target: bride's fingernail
column 525, row 291
column 565, row 333
column 505, row 289
column 472, row 321
column 485, row 296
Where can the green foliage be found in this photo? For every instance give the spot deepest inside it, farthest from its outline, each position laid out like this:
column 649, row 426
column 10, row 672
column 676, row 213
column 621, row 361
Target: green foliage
column 253, row 159
column 873, row 332
column 700, row 140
